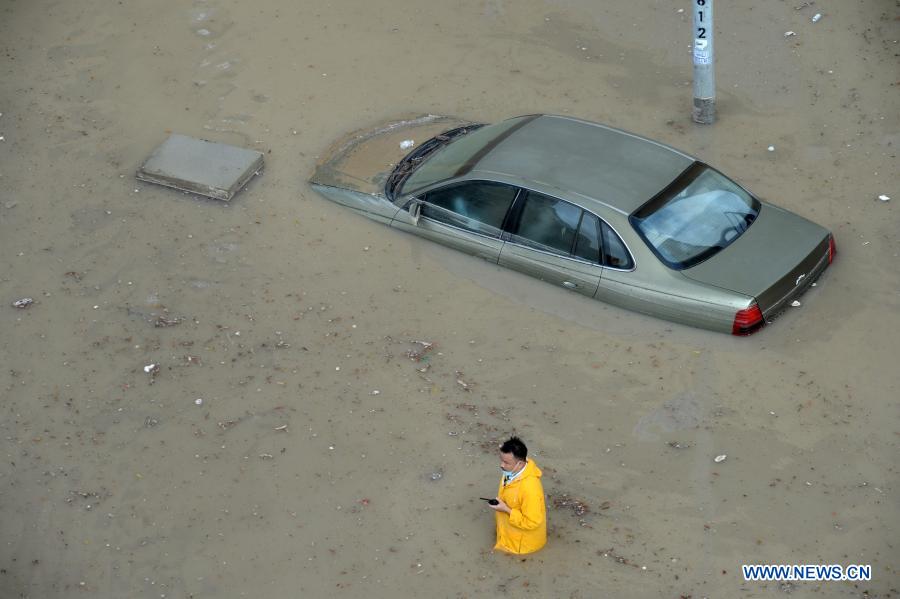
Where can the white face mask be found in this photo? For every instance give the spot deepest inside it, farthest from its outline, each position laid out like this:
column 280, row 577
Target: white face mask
column 508, row 474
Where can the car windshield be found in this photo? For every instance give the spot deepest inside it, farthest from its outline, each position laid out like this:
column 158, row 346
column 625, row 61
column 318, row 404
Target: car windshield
column 461, row 154
column 695, row 217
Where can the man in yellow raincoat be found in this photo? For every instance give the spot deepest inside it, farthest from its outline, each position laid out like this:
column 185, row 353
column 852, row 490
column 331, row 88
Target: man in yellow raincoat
column 521, row 513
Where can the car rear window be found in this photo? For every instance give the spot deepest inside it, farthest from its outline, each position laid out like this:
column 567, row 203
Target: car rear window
column 701, row 213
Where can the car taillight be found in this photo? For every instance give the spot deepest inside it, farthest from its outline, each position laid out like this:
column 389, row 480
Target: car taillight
column 832, row 250
column 747, row 321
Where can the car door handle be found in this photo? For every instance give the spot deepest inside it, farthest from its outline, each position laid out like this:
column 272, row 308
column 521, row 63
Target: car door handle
column 569, row 285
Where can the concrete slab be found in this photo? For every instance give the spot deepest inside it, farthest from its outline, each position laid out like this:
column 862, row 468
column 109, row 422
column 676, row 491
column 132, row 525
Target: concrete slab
column 210, row 169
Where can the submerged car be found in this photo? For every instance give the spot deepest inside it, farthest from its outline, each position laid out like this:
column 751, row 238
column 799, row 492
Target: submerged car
column 594, row 209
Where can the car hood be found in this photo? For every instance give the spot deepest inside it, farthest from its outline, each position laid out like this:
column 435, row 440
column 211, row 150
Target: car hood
column 362, row 160
column 766, row 261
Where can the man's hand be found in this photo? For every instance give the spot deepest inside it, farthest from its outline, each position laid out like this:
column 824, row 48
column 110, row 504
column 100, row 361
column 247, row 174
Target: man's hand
column 500, row 507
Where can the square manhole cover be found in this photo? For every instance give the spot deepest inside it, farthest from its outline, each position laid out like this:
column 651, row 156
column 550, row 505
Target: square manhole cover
column 206, row 168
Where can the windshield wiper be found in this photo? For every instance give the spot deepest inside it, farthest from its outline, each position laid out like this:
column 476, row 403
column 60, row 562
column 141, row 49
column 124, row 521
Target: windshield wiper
column 412, row 160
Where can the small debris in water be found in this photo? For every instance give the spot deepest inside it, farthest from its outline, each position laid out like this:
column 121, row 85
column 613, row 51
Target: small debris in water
column 437, row 475
column 407, row 144
column 162, row 321
column 618, row 558
column 884, row 198
column 23, row 303
column 795, row 303
column 771, row 148
column 199, row 401
column 678, row 445
column 283, row 427
column 816, row 17
column 578, row 507
column 416, row 355
column 790, row 33
column 152, row 370
column 720, row 458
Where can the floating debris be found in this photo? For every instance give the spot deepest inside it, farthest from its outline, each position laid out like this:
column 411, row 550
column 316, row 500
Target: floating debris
column 407, row 144
column 618, row 558
column 283, row 427
column 578, row 507
column 790, row 33
column 416, row 355
column 23, row 303
column 198, row 401
column 771, row 148
column 162, row 321
column 678, row 445
column 795, row 303
column 152, row 370
column 816, row 17
column 720, row 458
column 884, row 198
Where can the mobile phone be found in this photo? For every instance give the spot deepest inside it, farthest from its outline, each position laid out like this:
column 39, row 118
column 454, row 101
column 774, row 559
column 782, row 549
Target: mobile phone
column 490, row 501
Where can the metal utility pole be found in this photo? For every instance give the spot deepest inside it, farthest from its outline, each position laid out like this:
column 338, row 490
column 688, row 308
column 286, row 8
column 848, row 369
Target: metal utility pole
column 704, row 63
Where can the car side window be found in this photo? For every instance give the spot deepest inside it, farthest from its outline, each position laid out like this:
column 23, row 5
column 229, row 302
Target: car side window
column 547, row 224
column 477, row 206
column 587, row 244
column 615, row 254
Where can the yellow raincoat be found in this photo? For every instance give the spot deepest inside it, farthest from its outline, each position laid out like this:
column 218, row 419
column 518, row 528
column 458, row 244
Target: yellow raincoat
column 525, row 529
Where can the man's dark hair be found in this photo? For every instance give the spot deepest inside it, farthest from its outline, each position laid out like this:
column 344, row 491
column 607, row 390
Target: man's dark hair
column 515, row 446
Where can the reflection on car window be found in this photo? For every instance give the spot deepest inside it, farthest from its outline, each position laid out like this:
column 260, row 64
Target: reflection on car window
column 477, row 206
column 547, row 224
column 699, row 215
column 615, row 254
column 448, row 161
column 587, row 245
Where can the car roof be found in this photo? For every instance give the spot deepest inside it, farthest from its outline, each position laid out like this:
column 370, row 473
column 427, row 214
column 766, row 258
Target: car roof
column 613, row 167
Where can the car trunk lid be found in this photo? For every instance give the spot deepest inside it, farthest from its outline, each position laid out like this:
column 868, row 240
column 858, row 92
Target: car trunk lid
column 362, row 160
column 775, row 260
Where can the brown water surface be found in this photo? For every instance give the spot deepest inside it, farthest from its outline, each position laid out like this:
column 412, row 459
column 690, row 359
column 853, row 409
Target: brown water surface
column 322, row 459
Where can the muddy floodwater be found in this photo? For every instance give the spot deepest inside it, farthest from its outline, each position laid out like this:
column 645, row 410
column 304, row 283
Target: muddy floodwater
column 274, row 397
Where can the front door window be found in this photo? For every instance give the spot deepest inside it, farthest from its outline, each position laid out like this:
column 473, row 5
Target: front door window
column 476, row 206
